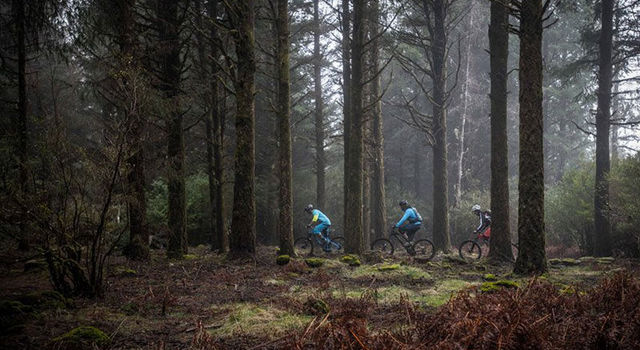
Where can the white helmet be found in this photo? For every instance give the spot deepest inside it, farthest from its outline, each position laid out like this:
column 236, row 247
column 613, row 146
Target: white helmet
column 475, row 207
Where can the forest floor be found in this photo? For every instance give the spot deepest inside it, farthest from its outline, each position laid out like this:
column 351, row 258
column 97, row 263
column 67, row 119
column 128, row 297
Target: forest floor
column 169, row 304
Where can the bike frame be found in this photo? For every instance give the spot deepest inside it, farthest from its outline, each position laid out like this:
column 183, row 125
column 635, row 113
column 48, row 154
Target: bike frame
column 334, row 245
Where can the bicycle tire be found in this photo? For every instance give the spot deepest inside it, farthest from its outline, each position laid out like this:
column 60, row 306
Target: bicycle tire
column 383, row 246
column 339, row 240
column 424, row 249
column 303, row 246
column 470, row 250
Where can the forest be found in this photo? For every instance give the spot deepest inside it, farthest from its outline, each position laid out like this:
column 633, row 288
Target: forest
column 319, row 174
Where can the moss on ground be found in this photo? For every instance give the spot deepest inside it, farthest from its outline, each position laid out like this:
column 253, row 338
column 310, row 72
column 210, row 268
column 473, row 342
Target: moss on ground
column 283, row 259
column 489, row 287
column 314, row 262
column 83, row 337
column 351, row 260
column 489, row 277
column 388, row 271
column 263, row 321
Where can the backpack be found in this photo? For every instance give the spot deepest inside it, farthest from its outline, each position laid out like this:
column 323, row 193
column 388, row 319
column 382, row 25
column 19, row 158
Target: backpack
column 417, row 215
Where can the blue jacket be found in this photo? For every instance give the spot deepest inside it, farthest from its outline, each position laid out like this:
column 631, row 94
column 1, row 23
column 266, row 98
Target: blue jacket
column 411, row 215
column 319, row 217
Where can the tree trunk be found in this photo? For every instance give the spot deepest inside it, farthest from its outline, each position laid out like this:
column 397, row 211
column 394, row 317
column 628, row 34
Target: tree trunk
column 346, row 91
column 243, row 224
column 319, row 107
column 286, row 198
column 169, row 24
column 354, row 166
column 463, row 117
column 18, row 8
column 603, row 123
column 531, row 254
column 138, row 247
column 499, row 51
column 441, row 237
column 216, row 137
column 378, row 206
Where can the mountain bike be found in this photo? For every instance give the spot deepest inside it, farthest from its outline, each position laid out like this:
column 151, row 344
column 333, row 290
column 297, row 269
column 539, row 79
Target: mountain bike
column 307, row 245
column 474, row 249
column 422, row 248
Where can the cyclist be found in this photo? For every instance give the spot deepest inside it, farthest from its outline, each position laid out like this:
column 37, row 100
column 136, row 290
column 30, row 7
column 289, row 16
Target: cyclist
column 485, row 221
column 320, row 224
column 410, row 222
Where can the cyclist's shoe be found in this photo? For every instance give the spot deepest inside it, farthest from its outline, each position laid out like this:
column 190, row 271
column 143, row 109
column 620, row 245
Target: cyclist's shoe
column 407, row 244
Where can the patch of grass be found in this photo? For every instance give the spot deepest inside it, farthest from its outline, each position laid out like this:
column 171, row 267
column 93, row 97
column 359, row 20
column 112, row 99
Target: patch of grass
column 82, row 337
column 442, row 292
column 388, row 271
column 248, row 318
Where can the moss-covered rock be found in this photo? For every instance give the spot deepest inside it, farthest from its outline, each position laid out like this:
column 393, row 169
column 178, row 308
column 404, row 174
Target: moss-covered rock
column 314, row 306
column 283, row 259
column 47, row 299
column 83, row 337
column 13, row 314
column 314, row 262
column 190, row 257
column 35, row 265
column 351, row 260
column 489, row 287
column 489, row 277
column 124, row 271
column 388, row 267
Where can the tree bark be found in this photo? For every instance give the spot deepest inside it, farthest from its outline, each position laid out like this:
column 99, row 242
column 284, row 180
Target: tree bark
column 602, row 221
column 169, row 24
column 346, row 91
column 354, row 166
column 284, row 121
column 378, row 196
column 499, row 53
column 319, row 109
column 21, row 128
column 463, row 117
column 441, row 236
column 138, row 247
column 243, row 224
column 531, row 240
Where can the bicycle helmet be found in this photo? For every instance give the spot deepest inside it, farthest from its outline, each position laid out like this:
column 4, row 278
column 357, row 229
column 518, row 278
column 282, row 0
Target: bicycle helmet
column 475, row 208
column 308, row 208
column 403, row 204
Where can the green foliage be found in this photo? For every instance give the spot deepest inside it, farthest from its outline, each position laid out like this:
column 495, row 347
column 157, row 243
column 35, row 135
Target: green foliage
column 283, row 259
column 197, row 206
column 82, row 337
column 12, row 315
column 489, row 277
column 569, row 209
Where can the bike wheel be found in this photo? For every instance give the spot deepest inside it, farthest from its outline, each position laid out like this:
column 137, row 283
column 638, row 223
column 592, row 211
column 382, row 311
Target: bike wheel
column 470, row 250
column 383, row 246
column 424, row 249
column 339, row 240
column 303, row 246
